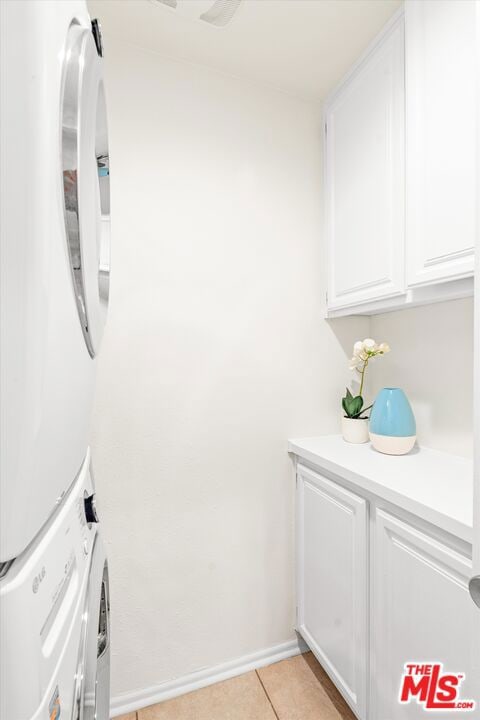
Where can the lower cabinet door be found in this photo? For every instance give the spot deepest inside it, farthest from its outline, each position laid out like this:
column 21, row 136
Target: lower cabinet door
column 332, row 581
column 421, row 615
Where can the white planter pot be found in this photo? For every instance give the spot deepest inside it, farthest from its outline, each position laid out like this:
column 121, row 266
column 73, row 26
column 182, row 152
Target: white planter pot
column 355, row 431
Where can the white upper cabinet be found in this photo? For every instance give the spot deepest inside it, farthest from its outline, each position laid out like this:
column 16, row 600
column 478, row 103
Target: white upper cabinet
column 441, row 139
column 364, row 125
column 401, row 164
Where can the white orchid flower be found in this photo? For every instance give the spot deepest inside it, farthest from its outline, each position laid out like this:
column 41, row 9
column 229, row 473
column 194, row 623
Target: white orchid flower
column 363, row 352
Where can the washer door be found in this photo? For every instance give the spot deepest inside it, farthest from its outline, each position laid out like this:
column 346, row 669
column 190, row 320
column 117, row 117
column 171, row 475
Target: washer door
column 96, row 695
column 92, row 679
column 86, row 181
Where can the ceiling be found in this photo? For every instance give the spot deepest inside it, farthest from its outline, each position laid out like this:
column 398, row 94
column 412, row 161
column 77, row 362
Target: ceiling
column 302, row 47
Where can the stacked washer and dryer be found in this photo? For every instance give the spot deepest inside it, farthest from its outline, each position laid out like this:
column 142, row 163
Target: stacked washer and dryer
column 54, row 252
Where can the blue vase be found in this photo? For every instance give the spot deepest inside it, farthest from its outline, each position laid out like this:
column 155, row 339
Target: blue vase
column 392, row 423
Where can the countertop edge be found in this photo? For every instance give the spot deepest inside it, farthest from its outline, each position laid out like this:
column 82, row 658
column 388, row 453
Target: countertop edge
column 444, row 522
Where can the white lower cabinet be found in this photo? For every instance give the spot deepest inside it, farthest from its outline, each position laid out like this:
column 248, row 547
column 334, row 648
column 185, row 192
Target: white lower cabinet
column 421, row 612
column 375, row 592
column 332, row 581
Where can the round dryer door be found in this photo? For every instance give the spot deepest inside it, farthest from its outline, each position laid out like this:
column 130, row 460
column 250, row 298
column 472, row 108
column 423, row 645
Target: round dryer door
column 86, row 181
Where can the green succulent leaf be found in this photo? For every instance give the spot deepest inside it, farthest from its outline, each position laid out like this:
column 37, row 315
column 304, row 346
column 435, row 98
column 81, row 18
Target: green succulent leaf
column 356, row 405
column 352, row 406
column 364, row 410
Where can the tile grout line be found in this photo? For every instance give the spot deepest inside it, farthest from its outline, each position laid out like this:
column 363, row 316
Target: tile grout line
column 266, row 693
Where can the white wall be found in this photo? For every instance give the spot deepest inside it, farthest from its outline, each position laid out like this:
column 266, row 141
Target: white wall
column 215, row 353
column 432, row 360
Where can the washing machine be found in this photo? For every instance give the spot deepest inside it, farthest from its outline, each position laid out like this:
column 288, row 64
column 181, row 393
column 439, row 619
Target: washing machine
column 54, row 254
column 54, row 618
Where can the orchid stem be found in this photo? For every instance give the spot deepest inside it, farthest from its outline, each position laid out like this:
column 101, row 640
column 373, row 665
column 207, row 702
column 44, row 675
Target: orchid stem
column 363, row 376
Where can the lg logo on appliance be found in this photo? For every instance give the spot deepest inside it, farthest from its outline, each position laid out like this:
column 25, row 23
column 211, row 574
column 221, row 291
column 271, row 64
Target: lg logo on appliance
column 38, row 579
column 429, row 685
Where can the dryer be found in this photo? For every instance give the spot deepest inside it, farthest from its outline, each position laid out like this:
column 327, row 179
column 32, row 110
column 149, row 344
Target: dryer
column 54, row 618
column 54, row 254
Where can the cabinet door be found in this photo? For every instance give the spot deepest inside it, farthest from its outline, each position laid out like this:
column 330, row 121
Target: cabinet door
column 332, row 581
column 364, row 125
column 441, row 139
column 421, row 612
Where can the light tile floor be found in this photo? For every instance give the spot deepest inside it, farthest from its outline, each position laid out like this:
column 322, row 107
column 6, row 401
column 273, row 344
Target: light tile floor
column 294, row 689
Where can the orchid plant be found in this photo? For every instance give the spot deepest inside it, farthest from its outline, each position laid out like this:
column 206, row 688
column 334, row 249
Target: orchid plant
column 363, row 352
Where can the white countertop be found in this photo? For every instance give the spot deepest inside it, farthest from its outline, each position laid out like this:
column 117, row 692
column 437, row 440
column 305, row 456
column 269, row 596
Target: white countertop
column 433, row 485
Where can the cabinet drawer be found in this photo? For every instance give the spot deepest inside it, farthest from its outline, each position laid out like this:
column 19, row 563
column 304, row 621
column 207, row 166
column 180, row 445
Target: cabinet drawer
column 332, row 581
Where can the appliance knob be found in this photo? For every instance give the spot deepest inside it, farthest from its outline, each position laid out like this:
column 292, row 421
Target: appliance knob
column 97, row 36
column 474, row 587
column 90, row 509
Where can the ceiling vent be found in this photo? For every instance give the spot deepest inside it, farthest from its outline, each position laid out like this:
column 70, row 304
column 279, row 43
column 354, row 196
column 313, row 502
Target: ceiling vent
column 218, row 13
column 221, row 12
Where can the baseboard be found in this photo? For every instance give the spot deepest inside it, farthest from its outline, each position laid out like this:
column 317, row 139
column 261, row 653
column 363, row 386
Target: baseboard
column 137, row 699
